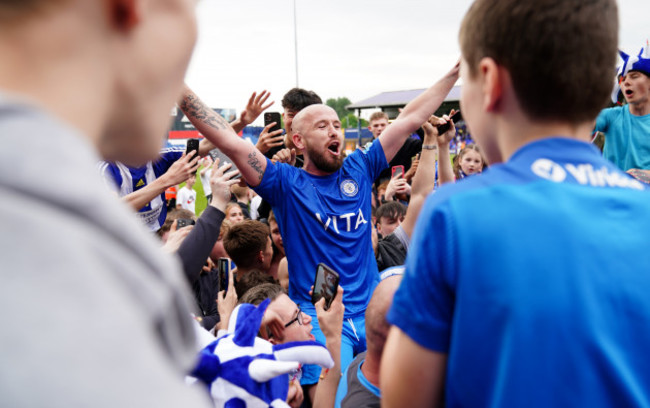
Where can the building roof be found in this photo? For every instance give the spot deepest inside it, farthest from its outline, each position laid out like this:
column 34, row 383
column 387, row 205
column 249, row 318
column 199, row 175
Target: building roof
column 398, row 98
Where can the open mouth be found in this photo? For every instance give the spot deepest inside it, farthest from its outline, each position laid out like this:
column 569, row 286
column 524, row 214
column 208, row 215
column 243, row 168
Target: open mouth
column 628, row 92
column 334, row 148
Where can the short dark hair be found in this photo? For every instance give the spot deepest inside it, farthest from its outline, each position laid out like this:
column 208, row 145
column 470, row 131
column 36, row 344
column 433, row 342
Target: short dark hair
column 298, row 99
column 245, row 240
column 251, row 279
column 391, row 209
column 560, row 53
column 260, row 293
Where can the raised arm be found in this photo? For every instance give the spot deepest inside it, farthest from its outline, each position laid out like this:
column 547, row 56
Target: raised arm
column 416, row 113
column 256, row 105
column 424, row 179
column 250, row 162
column 176, row 174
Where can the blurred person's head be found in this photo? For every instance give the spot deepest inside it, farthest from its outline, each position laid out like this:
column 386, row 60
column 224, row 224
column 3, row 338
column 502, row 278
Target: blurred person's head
column 234, row 213
column 381, row 190
column 190, row 181
column 248, row 244
column 377, row 123
column 389, row 217
column 317, row 133
column 275, row 233
column 240, row 192
column 172, row 216
column 112, row 69
column 469, row 161
column 293, row 102
column 297, row 324
column 218, row 251
column 517, row 80
column 251, row 279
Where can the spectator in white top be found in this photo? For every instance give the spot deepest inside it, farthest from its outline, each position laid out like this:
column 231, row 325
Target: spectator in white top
column 186, row 198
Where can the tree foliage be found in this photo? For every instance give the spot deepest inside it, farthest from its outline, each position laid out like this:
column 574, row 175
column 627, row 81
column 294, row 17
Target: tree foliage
column 348, row 119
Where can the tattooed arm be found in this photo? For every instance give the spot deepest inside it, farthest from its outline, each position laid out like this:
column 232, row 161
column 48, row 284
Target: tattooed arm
column 250, row 162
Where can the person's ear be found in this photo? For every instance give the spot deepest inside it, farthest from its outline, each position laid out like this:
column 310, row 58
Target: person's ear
column 492, row 78
column 298, row 141
column 124, row 14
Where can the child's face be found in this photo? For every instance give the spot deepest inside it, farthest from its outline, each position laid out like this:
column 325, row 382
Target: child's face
column 636, row 88
column 471, row 162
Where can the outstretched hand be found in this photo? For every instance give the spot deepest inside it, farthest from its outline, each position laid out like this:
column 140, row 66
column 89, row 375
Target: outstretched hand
column 226, row 302
column 255, row 107
column 431, row 131
column 182, row 169
column 220, row 182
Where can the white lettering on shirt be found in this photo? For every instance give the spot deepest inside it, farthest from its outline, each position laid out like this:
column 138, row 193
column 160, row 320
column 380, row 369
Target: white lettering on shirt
column 346, row 221
column 584, row 174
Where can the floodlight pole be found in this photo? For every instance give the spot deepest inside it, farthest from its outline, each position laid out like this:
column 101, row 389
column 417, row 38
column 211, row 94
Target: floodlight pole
column 295, row 37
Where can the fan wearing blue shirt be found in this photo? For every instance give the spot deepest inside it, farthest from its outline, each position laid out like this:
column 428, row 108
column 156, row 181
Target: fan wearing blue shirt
column 323, row 210
column 627, row 128
column 527, row 285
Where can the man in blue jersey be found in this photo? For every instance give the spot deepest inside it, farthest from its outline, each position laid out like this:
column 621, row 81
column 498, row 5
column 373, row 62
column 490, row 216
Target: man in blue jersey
column 627, row 128
column 528, row 285
column 323, row 210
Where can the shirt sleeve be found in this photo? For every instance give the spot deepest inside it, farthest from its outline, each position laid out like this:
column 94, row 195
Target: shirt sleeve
column 273, row 185
column 373, row 159
column 423, row 305
column 196, row 247
column 181, row 196
column 111, row 176
column 602, row 121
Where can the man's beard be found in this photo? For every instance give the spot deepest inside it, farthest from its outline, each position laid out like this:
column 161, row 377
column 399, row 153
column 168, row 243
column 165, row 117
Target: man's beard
column 321, row 162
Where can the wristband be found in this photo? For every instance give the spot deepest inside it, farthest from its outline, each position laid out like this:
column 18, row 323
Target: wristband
column 429, row 147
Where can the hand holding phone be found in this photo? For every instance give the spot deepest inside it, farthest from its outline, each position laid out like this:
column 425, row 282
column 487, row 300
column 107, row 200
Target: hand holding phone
column 325, row 285
column 270, row 117
column 456, row 117
column 397, row 171
column 184, row 222
column 223, row 266
column 192, row 146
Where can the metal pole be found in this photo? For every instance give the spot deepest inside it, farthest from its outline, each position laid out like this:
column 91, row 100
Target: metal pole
column 359, row 126
column 295, row 37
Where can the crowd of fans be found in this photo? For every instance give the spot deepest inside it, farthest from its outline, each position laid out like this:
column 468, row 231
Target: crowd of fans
column 510, row 274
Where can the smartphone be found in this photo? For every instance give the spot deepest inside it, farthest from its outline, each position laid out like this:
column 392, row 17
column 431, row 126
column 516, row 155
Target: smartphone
column 192, row 145
column 398, row 171
column 325, row 285
column 224, row 273
column 184, row 222
column 456, row 117
column 270, row 117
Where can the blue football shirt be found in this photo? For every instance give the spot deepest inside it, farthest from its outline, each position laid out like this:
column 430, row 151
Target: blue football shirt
column 124, row 180
column 534, row 279
column 327, row 219
column 627, row 138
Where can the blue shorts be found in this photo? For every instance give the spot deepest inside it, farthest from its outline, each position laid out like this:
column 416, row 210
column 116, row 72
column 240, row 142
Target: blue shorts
column 353, row 342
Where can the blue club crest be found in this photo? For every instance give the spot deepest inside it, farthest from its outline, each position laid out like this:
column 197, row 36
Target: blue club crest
column 349, row 188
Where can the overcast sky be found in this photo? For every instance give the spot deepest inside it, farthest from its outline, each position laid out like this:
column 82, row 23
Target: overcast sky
column 347, row 48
